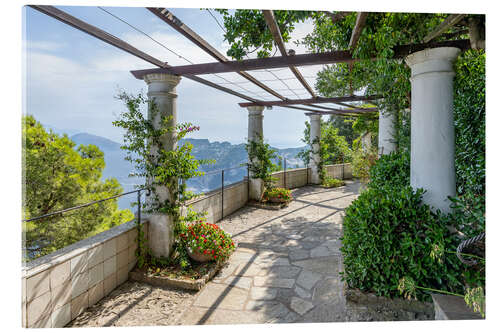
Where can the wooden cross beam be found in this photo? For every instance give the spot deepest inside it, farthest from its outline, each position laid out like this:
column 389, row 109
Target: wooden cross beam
column 275, row 31
column 317, row 100
column 450, row 21
column 115, row 41
column 306, row 59
column 169, row 18
column 358, row 28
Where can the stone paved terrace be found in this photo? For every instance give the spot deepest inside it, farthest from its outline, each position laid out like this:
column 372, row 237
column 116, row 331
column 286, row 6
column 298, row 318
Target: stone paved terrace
column 285, row 270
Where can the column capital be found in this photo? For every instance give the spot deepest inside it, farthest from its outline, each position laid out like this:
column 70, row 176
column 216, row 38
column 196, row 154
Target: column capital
column 172, row 80
column 439, row 59
column 313, row 116
column 256, row 108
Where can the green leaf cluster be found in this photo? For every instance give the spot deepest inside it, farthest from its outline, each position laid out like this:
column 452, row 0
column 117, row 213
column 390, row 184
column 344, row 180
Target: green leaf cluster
column 389, row 233
column 57, row 175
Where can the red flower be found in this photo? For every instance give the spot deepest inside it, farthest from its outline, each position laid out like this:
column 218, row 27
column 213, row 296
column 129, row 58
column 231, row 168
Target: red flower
column 205, row 241
column 204, row 251
column 215, row 257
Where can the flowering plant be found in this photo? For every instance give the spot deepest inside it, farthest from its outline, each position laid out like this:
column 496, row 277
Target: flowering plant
column 208, row 239
column 278, row 193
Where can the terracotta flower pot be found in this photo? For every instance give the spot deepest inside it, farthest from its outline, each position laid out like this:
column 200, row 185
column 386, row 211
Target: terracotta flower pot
column 197, row 256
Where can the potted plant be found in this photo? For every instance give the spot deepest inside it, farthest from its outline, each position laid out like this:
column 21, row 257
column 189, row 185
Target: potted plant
column 206, row 241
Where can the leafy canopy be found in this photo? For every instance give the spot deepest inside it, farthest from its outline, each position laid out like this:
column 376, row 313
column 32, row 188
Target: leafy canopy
column 58, row 176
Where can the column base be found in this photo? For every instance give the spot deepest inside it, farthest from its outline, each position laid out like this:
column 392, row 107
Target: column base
column 160, row 235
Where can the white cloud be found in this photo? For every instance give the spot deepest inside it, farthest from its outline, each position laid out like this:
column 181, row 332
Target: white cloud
column 79, row 93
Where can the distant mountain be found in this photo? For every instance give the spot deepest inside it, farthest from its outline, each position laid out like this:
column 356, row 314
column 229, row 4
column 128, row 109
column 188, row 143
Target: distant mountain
column 227, row 156
column 99, row 141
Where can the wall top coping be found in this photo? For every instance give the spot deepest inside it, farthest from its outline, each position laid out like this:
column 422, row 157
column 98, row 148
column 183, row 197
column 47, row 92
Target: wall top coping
column 66, row 253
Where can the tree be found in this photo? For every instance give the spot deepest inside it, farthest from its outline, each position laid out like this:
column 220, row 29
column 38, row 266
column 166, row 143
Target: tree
column 334, row 148
column 58, row 176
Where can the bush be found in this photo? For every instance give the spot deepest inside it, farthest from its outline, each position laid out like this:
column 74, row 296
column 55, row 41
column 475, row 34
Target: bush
column 390, row 234
column 391, row 170
column 208, row 238
column 332, row 182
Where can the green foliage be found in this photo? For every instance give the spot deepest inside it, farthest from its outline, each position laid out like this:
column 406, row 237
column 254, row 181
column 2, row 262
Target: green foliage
column 162, row 168
column 391, row 170
column 247, row 32
column 334, row 148
column 362, row 161
column 58, row 176
column 470, row 123
column 277, row 193
column 332, row 182
column 389, row 233
column 260, row 157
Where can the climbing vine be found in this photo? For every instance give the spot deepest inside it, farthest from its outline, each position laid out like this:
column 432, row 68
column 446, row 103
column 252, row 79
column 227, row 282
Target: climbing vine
column 260, row 165
column 164, row 170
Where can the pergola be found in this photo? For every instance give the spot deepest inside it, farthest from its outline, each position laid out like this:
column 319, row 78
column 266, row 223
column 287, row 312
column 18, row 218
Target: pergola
column 432, row 129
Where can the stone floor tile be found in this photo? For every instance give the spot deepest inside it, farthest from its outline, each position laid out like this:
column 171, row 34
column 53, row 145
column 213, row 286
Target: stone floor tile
column 221, row 296
column 300, row 306
column 263, row 293
column 308, row 279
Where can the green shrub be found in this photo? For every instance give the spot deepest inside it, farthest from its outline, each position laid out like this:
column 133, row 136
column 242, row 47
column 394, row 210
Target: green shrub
column 470, row 129
column 332, row 182
column 392, row 169
column 390, row 234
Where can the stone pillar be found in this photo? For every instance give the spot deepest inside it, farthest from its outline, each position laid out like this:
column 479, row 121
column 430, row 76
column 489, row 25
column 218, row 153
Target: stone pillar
column 366, row 142
column 255, row 132
column 386, row 133
column 315, row 156
column 432, row 129
column 161, row 89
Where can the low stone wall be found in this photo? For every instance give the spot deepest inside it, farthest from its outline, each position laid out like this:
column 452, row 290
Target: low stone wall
column 340, row 171
column 58, row 287
column 235, row 197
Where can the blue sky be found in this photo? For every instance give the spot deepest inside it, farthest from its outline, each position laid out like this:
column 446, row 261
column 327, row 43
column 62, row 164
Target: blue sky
column 71, row 77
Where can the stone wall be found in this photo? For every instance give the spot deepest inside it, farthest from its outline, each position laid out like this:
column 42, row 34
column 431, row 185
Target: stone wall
column 235, row 197
column 58, row 287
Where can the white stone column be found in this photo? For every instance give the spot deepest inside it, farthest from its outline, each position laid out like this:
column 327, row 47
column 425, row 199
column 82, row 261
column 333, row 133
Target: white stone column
column 366, row 142
column 315, row 156
column 255, row 132
column 161, row 89
column 432, row 129
column 386, row 132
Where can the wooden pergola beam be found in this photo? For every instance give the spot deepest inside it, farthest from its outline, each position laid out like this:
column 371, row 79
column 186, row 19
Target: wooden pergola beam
column 115, row 41
column 170, row 19
column 317, row 100
column 306, row 59
column 450, row 21
column 278, row 39
column 358, row 28
column 96, row 32
column 351, row 109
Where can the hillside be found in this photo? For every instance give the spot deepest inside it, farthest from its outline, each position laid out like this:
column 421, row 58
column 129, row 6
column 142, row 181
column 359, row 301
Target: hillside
column 226, row 155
